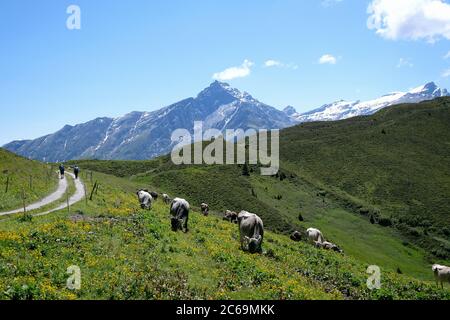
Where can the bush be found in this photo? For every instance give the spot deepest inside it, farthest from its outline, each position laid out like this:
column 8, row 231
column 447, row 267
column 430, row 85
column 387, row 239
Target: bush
column 385, row 222
column 26, row 217
column 446, row 231
column 364, row 211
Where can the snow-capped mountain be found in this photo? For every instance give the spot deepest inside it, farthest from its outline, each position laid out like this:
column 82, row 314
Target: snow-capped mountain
column 144, row 135
column 346, row 109
column 290, row 110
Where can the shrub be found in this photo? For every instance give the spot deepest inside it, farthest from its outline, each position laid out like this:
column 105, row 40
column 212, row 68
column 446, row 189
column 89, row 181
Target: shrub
column 26, row 217
column 385, row 222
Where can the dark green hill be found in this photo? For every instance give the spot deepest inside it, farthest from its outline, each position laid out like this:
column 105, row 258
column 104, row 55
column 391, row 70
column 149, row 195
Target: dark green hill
column 393, row 166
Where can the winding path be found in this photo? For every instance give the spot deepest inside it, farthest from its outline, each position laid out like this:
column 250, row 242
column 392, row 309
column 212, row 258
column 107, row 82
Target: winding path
column 55, row 196
column 76, row 197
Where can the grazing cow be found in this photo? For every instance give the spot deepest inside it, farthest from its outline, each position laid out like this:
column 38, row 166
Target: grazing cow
column 205, row 209
column 331, row 246
column 441, row 274
column 318, row 244
column 154, row 195
column 166, row 198
column 296, row 236
column 145, row 199
column 179, row 209
column 231, row 216
column 251, row 229
column 314, row 235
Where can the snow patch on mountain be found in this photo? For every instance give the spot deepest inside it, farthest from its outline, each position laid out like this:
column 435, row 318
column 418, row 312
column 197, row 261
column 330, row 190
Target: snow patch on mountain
column 340, row 110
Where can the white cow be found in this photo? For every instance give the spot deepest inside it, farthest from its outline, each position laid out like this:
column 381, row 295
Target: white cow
column 251, row 229
column 441, row 274
column 145, row 199
column 314, row 235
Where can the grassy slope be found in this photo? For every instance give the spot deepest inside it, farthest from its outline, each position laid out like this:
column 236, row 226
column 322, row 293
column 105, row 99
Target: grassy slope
column 369, row 243
column 224, row 188
column 396, row 162
column 127, row 253
column 71, row 189
column 221, row 187
column 19, row 170
column 117, row 167
column 355, row 161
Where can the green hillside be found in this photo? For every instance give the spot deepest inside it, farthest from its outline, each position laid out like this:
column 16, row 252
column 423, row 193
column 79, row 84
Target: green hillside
column 349, row 178
column 393, row 167
column 20, row 176
column 124, row 252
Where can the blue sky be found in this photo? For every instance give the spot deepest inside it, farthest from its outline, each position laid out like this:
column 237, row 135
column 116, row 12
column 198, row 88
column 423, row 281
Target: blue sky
column 143, row 55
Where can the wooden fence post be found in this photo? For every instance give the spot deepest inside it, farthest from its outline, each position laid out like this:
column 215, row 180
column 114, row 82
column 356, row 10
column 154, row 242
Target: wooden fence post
column 68, row 202
column 93, row 189
column 23, row 201
column 7, row 184
column 85, row 195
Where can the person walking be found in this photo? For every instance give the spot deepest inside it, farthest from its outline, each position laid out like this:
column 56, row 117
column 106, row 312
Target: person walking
column 61, row 170
column 76, row 170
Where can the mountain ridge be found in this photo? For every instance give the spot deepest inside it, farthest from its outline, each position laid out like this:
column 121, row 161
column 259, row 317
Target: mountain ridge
column 343, row 109
column 140, row 135
column 144, row 135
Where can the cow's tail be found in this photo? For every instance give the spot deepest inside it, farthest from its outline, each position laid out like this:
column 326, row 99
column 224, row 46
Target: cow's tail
column 259, row 231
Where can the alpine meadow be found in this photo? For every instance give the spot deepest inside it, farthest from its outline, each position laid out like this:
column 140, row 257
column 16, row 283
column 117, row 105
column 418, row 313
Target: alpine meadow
column 234, row 159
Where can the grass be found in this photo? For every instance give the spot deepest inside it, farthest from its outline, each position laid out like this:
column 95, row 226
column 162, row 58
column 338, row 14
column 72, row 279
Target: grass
column 117, row 167
column 347, row 178
column 393, row 168
column 127, row 253
column 32, row 178
column 222, row 187
column 395, row 164
column 225, row 188
column 71, row 189
column 370, row 243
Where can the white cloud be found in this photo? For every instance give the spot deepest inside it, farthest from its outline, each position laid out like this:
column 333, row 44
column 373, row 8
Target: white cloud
column 327, row 59
column 403, row 62
column 446, row 73
column 410, row 19
column 235, row 72
column 447, row 56
column 274, row 63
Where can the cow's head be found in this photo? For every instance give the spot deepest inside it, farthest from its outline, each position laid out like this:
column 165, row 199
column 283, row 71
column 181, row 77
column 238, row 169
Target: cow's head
column 176, row 224
column 337, row 249
column 254, row 244
column 437, row 267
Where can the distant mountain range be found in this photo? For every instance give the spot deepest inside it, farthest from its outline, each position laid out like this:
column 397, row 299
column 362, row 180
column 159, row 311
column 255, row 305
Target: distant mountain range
column 145, row 135
column 340, row 110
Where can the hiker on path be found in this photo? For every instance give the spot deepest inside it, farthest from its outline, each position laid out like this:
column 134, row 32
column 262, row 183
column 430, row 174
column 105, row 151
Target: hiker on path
column 61, row 170
column 76, row 170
